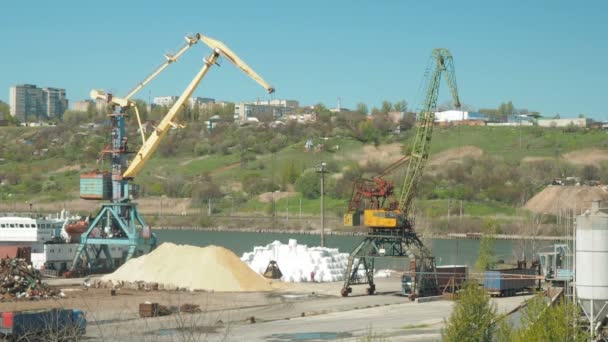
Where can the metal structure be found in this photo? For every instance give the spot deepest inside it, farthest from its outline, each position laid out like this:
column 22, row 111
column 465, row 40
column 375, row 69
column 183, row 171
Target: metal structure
column 391, row 220
column 118, row 223
column 591, row 276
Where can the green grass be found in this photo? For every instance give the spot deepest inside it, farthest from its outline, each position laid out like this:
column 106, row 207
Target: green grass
column 439, row 208
column 415, row 326
column 505, row 141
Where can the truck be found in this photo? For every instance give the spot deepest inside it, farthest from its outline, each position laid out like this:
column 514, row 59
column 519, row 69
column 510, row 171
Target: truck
column 508, row 282
column 55, row 324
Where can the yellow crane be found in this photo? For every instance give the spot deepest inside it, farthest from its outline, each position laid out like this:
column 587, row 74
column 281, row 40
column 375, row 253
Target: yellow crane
column 118, row 222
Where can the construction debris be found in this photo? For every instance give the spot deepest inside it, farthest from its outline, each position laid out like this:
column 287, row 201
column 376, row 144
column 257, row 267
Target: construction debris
column 18, row 279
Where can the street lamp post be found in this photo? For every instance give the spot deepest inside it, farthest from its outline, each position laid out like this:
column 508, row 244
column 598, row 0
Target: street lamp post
column 322, row 171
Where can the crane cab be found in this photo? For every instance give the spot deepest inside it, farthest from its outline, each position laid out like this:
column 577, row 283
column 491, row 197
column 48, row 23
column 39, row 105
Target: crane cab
column 381, row 218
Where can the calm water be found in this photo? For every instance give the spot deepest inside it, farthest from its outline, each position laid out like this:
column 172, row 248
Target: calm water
column 446, row 251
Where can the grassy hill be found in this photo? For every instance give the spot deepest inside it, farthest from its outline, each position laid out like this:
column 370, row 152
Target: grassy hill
column 490, row 170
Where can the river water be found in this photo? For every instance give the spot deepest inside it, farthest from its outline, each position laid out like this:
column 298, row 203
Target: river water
column 447, row 252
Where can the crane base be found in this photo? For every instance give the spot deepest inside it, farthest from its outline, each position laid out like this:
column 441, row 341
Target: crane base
column 391, row 244
column 116, row 225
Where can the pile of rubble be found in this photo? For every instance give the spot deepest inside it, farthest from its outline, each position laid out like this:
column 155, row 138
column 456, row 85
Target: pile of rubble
column 18, row 279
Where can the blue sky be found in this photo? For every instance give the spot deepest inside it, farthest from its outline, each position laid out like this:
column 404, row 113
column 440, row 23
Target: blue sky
column 542, row 55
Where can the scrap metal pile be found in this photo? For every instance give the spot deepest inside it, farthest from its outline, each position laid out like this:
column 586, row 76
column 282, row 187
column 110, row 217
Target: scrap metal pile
column 18, row 279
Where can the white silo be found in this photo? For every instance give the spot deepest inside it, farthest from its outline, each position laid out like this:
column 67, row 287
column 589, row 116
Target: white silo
column 592, row 264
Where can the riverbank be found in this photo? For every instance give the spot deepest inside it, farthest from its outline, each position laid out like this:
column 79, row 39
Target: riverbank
column 363, row 232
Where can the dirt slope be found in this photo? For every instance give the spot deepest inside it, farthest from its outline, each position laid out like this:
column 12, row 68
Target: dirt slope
column 555, row 198
column 592, row 156
column 455, row 154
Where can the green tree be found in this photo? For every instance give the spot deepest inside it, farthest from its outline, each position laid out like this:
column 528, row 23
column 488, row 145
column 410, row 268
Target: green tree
column 472, row 318
column 487, row 260
column 362, row 108
column 289, row 173
column 590, row 172
column 368, row 132
column 541, row 322
column 309, row 184
column 400, row 106
column 387, row 106
column 4, row 110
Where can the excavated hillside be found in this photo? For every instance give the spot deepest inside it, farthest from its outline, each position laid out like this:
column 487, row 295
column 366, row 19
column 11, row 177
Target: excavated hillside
column 556, row 199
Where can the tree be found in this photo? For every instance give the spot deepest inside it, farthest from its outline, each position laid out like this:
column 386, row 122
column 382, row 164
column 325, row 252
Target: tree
column 590, row 172
column 289, row 173
column 362, row 108
column 387, row 106
column 368, row 132
column 400, row 106
column 309, row 184
column 472, row 318
column 487, row 260
column 5, row 111
column 557, row 322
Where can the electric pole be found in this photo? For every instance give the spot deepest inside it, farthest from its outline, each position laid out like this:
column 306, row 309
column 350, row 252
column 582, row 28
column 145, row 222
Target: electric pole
column 322, row 171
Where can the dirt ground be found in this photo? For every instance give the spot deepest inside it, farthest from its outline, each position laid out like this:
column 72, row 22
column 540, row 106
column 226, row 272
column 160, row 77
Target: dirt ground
column 455, row 155
column 590, row 156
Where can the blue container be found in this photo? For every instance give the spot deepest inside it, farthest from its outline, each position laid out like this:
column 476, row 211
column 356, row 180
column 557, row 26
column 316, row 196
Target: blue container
column 509, row 282
column 96, row 186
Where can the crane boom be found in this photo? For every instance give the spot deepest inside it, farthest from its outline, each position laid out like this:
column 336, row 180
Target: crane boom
column 444, row 64
column 170, row 59
column 150, row 145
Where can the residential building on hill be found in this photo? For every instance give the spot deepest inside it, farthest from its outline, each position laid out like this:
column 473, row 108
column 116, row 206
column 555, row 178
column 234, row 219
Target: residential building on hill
column 272, row 110
column 27, row 100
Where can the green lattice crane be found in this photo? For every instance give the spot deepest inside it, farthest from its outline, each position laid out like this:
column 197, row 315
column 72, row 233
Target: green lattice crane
column 444, row 65
column 391, row 233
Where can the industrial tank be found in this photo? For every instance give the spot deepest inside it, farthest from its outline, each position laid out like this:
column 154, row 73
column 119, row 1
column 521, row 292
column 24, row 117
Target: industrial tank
column 592, row 262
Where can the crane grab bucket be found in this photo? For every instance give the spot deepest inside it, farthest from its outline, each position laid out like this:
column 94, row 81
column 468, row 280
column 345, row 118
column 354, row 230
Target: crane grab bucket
column 234, row 59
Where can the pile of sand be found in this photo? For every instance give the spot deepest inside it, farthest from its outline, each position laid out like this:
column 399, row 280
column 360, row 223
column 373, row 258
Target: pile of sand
column 556, row 199
column 211, row 268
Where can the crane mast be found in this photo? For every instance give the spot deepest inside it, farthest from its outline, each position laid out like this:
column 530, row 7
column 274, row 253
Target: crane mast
column 444, row 65
column 390, row 221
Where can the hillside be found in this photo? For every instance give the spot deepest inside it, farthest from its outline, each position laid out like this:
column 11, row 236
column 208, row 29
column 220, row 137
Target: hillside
column 490, row 170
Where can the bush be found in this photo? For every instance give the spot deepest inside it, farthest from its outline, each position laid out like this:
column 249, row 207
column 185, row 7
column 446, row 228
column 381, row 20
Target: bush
column 254, row 184
column 309, row 184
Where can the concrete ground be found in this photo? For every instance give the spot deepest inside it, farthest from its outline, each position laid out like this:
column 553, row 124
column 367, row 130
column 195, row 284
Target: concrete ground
column 298, row 312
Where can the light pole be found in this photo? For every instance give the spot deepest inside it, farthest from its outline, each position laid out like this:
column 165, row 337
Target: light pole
column 322, row 171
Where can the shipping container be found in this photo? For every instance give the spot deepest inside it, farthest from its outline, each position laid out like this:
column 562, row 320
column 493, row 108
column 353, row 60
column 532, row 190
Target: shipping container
column 445, row 274
column 509, row 281
column 96, row 186
column 64, row 324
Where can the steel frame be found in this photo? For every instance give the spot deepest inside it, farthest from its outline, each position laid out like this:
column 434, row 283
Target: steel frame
column 391, row 243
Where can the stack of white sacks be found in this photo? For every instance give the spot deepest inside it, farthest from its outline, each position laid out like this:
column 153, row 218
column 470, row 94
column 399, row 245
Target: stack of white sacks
column 298, row 261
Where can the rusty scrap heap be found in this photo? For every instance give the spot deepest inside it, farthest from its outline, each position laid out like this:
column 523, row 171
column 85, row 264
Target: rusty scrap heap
column 18, row 279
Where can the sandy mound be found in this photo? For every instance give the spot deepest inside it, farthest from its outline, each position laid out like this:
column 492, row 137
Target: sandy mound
column 591, row 156
column 535, row 159
column 455, row 155
column 383, row 154
column 555, row 198
column 210, row 268
column 268, row 196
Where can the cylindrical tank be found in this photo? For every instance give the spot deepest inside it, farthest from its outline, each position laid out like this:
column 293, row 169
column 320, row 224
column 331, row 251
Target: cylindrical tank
column 592, row 262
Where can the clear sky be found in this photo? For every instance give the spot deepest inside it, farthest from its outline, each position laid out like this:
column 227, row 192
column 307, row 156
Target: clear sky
column 548, row 56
